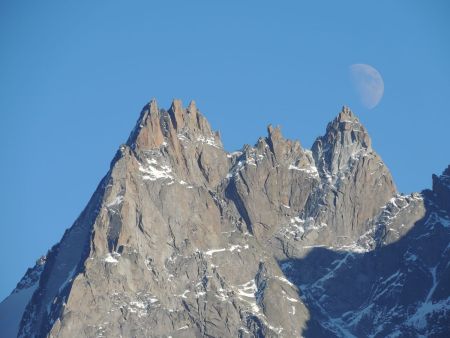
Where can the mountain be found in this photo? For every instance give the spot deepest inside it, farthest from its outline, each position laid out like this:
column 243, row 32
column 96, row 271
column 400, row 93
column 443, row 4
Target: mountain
column 183, row 239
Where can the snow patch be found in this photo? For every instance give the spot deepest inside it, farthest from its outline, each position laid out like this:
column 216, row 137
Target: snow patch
column 152, row 172
column 310, row 170
column 117, row 200
column 208, row 140
column 112, row 257
column 231, row 248
column 247, row 293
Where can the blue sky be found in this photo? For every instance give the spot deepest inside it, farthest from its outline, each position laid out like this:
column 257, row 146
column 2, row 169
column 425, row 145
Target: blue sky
column 74, row 76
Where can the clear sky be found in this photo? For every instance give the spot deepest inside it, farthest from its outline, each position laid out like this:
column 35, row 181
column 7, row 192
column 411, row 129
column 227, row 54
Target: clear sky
column 75, row 74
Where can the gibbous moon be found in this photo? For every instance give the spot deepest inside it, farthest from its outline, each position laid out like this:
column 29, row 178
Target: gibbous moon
column 368, row 83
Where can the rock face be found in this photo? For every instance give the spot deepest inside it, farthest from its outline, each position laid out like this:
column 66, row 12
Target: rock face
column 183, row 239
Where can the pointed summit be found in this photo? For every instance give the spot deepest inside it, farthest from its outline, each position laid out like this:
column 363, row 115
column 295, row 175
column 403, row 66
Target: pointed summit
column 177, row 114
column 153, row 106
column 349, row 167
column 274, row 139
column 441, row 189
column 280, row 147
column 147, row 133
column 156, row 127
column 346, row 115
column 345, row 138
column 189, row 118
column 192, row 107
column 346, row 109
column 274, row 134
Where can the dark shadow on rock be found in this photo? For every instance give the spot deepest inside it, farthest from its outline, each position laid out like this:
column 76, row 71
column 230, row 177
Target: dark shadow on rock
column 400, row 289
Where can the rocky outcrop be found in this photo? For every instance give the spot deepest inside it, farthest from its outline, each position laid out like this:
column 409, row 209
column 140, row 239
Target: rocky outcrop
column 184, row 239
column 441, row 189
column 356, row 181
column 392, row 282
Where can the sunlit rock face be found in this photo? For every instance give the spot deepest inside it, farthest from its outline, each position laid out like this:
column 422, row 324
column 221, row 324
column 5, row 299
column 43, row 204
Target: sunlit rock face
column 185, row 239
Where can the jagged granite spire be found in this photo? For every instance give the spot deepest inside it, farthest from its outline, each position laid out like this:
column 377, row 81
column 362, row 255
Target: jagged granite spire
column 345, row 139
column 356, row 182
column 148, row 133
column 183, row 239
column 155, row 126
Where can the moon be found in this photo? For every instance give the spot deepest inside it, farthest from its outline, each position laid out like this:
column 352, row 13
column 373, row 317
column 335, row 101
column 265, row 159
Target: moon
column 368, row 83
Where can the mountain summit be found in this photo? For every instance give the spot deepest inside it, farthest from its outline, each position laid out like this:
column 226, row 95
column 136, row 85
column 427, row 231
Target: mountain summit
column 184, row 239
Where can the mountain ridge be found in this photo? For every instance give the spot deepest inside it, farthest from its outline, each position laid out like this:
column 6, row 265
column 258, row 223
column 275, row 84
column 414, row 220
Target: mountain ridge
column 175, row 208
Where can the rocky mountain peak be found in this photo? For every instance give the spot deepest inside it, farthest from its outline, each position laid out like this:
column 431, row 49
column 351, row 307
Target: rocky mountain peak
column 153, row 106
column 347, row 130
column 350, row 168
column 346, row 115
column 274, row 138
column 147, row 134
column 177, row 114
column 189, row 120
column 345, row 140
column 192, row 107
column 281, row 148
column 158, row 127
column 441, row 189
column 178, row 144
column 183, row 239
